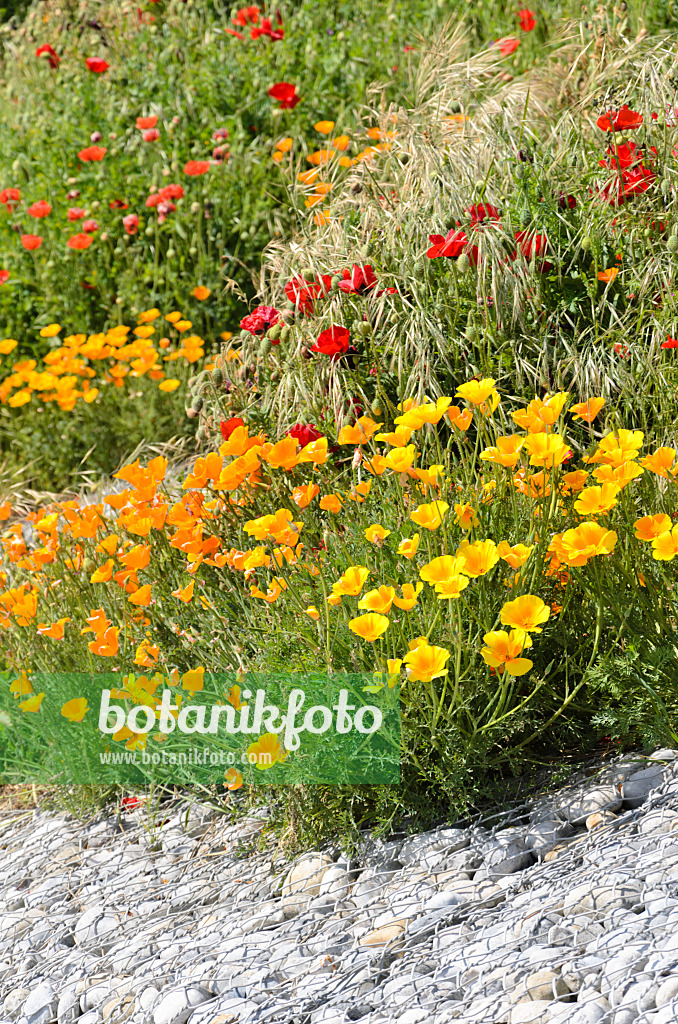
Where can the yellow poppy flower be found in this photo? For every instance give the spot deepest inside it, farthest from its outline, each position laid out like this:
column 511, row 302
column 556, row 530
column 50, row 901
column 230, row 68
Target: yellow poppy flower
column 378, row 600
column 369, row 627
column 426, row 662
column 650, row 527
column 430, row 516
column 410, row 596
column 502, row 650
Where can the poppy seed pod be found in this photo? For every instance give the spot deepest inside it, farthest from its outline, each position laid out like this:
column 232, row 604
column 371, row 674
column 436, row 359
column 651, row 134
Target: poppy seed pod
column 197, row 403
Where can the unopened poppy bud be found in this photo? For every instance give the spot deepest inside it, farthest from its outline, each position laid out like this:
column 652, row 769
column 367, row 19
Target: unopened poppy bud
column 289, row 306
column 672, row 244
column 306, row 352
column 364, row 329
column 376, row 408
column 274, row 332
column 197, row 403
column 96, row 137
column 480, row 185
column 308, row 274
column 191, row 413
column 195, row 207
column 265, row 347
column 149, row 232
column 519, row 172
column 334, row 283
column 463, row 263
column 586, row 243
column 89, row 565
column 418, row 270
column 217, row 377
column 285, row 334
column 525, row 217
column 200, row 434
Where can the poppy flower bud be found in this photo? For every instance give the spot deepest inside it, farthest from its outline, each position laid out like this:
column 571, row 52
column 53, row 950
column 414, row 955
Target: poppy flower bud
column 195, row 207
column 364, row 329
column 455, row 107
column 519, row 172
column 376, row 408
column 334, row 283
column 285, row 333
column 463, row 263
column 200, row 434
column 289, row 306
column 88, row 565
column 265, row 347
column 585, row 243
column 191, row 413
column 672, row 244
column 308, row 275
column 197, row 403
column 217, row 376
column 96, row 137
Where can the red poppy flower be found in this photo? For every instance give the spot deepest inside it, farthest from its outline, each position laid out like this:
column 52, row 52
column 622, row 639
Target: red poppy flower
column 305, row 433
column 286, row 95
column 228, row 426
column 246, row 16
column 79, row 241
column 507, row 46
column 151, row 135
column 670, row 342
column 219, row 134
column 480, row 212
column 4, row 276
column 92, row 154
column 260, row 319
column 220, row 153
column 89, row 226
column 52, row 56
column 172, row 192
column 128, row 803
column 620, row 121
column 452, row 246
column 39, row 209
column 97, row 65
column 332, row 342
column 358, row 280
column 302, row 292
column 624, row 155
column 118, row 204
column 75, row 213
column 9, row 197
column 621, row 350
column 566, row 201
column 131, row 223
column 195, row 167
column 146, row 122
column 527, row 20
column 266, row 29
column 531, row 245
column 31, row 241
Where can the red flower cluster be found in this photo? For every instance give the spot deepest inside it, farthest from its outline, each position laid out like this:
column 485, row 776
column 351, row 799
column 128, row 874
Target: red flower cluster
column 260, row 319
column 302, row 293
column 332, row 342
column 97, row 65
column 9, row 197
column 305, row 433
column 632, row 177
column 39, row 209
column 52, row 56
column 357, row 280
column 246, row 16
column 286, row 95
column 620, row 121
column 228, row 426
column 162, row 201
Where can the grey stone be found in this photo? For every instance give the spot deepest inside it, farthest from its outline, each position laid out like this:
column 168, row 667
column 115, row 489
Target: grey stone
column 667, row 992
column 638, row 786
column 176, row 1006
column 14, row 1000
column 41, row 1005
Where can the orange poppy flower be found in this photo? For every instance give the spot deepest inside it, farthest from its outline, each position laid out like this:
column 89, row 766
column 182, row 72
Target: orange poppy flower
column 79, row 241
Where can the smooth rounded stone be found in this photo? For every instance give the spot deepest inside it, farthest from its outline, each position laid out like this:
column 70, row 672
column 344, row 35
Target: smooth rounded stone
column 68, row 1007
column 147, row 997
column 637, row 787
column 667, row 992
column 118, row 1009
column 91, row 1017
column 562, row 847
column 602, row 893
column 657, row 902
column 505, row 859
column 368, row 888
column 444, row 841
column 95, row 925
column 667, row 1015
column 303, row 881
column 175, row 1007
column 624, row 1015
column 659, row 822
column 41, row 1005
column 599, row 818
column 335, row 883
column 576, row 807
column 14, row 1000
column 640, row 994
column 489, row 893
column 534, row 1011
column 590, row 1012
column 542, row 834
column 630, row 960
column 545, row 984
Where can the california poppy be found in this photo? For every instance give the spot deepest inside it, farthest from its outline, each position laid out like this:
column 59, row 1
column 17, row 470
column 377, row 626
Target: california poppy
column 31, row 241
column 97, row 65
column 334, row 341
column 92, row 154
column 79, row 241
column 195, row 167
column 39, row 209
column 47, row 51
column 286, row 95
